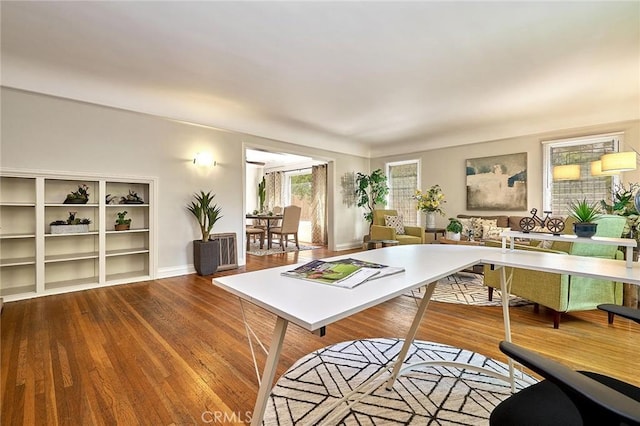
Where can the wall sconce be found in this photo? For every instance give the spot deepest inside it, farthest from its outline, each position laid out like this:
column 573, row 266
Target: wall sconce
column 619, row 161
column 566, row 172
column 204, row 159
column 596, row 169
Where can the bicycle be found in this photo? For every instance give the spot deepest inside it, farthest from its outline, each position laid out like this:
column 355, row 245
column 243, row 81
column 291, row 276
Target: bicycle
column 553, row 224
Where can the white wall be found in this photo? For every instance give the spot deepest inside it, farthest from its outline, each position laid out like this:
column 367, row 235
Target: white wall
column 46, row 133
column 446, row 166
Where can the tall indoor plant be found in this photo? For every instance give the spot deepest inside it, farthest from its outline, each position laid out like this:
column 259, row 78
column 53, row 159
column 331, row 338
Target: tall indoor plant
column 371, row 190
column 206, row 252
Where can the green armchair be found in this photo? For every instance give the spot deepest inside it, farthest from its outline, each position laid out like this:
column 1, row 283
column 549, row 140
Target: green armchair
column 413, row 234
column 565, row 293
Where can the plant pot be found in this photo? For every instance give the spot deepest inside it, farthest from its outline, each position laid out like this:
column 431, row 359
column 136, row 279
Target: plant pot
column 585, row 230
column 206, row 256
column 455, row 236
column 123, row 227
column 75, row 201
column 69, row 229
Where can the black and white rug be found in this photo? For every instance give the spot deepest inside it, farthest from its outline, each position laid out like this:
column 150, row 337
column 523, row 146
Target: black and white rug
column 431, row 395
column 466, row 288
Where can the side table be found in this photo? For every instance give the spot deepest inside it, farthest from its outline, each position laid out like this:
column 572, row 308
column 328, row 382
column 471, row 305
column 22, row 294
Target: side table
column 435, row 232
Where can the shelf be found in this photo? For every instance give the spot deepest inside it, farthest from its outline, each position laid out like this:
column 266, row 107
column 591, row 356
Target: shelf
column 128, row 277
column 70, row 205
column 71, row 283
column 18, row 261
column 16, row 236
column 112, row 253
column 16, row 204
column 120, row 206
column 23, row 290
column 129, row 231
column 71, row 235
column 70, row 257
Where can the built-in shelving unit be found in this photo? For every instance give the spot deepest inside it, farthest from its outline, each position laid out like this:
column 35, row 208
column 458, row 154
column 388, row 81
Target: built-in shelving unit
column 35, row 262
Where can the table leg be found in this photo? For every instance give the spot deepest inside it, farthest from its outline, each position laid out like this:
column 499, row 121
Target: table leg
column 504, row 288
column 411, row 334
column 269, row 372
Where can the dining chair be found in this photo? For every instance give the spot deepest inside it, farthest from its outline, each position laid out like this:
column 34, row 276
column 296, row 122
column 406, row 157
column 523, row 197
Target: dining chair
column 289, row 226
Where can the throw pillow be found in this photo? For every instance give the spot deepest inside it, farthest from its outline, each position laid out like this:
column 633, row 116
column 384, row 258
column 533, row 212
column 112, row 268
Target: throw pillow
column 467, row 225
column 395, row 222
column 479, row 227
column 490, row 232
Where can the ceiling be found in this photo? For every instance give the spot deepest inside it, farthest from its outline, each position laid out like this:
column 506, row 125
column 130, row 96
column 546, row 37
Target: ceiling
column 365, row 78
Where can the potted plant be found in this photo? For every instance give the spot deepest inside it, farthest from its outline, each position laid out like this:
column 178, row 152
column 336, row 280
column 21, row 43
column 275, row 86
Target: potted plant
column 585, row 214
column 430, row 203
column 81, row 196
column 131, row 198
column 72, row 225
column 206, row 252
column 371, row 190
column 122, row 224
column 454, row 229
column 262, row 194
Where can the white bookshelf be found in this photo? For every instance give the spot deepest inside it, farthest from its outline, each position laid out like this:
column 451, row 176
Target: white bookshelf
column 34, row 262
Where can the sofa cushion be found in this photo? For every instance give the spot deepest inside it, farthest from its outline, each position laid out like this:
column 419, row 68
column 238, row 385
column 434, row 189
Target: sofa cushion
column 501, row 220
column 395, row 222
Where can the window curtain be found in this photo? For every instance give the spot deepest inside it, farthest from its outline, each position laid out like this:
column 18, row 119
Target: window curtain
column 403, row 181
column 319, row 204
column 274, row 182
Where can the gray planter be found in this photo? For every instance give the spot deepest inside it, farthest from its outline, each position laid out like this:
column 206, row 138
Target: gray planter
column 585, row 230
column 206, row 256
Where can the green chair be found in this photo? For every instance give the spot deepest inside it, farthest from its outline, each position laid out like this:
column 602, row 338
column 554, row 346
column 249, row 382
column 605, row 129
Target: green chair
column 566, row 293
column 379, row 231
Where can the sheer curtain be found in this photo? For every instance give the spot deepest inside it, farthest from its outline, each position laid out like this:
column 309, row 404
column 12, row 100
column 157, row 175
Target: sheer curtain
column 274, row 182
column 319, row 204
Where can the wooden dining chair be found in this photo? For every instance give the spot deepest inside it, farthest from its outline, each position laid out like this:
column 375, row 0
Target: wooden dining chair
column 289, row 226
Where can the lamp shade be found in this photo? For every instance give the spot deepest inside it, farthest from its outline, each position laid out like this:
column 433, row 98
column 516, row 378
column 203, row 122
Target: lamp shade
column 203, row 159
column 619, row 161
column 566, row 172
column 596, row 169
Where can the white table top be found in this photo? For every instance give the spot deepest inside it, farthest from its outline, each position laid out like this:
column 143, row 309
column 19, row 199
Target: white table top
column 570, row 238
column 314, row 305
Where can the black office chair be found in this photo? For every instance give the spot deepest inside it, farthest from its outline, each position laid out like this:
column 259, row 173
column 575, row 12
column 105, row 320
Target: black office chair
column 566, row 397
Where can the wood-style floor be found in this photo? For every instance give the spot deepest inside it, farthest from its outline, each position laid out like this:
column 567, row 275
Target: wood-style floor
column 174, row 351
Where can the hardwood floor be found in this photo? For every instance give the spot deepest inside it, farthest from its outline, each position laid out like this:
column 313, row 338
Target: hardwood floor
column 174, row 351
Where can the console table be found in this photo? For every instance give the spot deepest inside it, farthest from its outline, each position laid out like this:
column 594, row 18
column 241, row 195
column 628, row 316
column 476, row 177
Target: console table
column 620, row 242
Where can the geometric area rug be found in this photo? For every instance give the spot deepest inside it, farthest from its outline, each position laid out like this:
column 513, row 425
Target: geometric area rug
column 430, row 395
column 466, row 288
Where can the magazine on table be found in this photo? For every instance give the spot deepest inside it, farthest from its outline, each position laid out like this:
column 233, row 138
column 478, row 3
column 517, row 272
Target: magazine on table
column 346, row 273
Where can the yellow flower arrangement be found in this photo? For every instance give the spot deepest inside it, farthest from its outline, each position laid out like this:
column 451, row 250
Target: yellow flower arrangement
column 430, row 201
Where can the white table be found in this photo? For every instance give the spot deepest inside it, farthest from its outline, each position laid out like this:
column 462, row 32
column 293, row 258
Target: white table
column 629, row 243
column 313, row 306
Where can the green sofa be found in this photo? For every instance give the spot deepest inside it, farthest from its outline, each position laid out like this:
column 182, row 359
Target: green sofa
column 566, row 293
column 413, row 234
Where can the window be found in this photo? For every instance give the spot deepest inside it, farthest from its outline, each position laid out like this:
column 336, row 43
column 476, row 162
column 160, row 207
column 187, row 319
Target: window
column 403, row 178
column 582, row 151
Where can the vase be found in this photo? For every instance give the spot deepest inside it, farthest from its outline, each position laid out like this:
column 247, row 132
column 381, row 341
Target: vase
column 431, row 220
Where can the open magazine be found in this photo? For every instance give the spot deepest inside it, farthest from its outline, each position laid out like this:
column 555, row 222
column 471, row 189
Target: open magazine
column 346, row 273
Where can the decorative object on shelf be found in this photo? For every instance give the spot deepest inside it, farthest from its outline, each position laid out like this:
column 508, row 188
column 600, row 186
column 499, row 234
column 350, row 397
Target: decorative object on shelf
column 371, row 191
column 206, row 252
column 131, row 198
column 430, row 203
column 122, row 224
column 110, row 199
column 554, row 224
column 585, row 214
column 262, row 193
column 81, row 196
column 454, row 229
column 497, row 183
column 72, row 225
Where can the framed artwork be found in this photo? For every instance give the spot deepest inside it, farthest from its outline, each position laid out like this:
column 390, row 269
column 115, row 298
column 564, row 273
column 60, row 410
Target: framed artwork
column 497, row 183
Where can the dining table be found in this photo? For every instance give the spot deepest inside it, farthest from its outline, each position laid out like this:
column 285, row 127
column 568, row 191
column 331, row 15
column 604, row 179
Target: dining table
column 271, row 221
